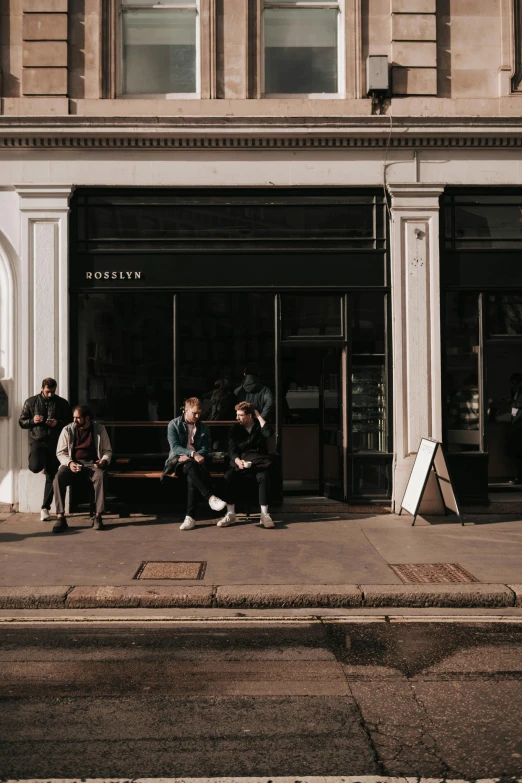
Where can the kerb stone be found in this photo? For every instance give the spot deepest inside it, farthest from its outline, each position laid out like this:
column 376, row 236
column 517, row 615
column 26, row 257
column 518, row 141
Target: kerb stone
column 517, row 589
column 286, row 596
column 93, row 597
column 449, row 595
column 24, row 597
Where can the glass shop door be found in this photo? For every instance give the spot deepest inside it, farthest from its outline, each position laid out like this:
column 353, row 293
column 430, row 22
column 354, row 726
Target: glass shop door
column 312, row 420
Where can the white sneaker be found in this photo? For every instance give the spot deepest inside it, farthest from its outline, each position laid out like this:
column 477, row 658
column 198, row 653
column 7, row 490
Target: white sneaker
column 44, row 515
column 216, row 504
column 187, row 524
column 227, row 520
column 267, row 521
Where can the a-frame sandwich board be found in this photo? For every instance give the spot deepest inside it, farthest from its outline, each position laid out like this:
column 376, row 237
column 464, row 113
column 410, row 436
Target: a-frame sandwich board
column 429, row 457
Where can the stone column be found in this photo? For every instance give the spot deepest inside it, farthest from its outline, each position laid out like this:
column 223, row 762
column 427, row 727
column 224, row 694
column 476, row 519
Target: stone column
column 416, row 329
column 44, row 305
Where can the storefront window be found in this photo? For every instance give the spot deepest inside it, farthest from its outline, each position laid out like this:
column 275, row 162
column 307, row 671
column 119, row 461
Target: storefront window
column 368, row 372
column 484, row 222
column 505, row 314
column 125, row 363
column 311, row 316
column 219, row 335
column 462, row 372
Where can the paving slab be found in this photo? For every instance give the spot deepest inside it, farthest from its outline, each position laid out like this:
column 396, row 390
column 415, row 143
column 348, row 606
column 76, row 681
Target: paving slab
column 494, row 595
column 307, row 549
column 283, row 596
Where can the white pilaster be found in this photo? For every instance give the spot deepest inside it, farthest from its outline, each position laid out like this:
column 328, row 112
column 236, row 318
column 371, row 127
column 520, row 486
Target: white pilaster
column 416, row 328
column 44, row 335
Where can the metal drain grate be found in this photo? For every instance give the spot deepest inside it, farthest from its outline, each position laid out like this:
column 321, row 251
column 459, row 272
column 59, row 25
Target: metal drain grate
column 432, row 573
column 165, row 569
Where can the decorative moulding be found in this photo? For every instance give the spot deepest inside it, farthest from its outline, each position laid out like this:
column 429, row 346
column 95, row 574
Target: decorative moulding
column 286, row 142
column 257, row 133
column 44, row 198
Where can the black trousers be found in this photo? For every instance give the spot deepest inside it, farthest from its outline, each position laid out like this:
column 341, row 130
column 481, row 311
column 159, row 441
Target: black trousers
column 233, row 477
column 198, row 480
column 65, row 477
column 42, row 456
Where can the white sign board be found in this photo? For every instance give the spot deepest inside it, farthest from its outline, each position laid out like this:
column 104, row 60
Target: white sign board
column 445, row 485
column 419, row 476
column 429, row 456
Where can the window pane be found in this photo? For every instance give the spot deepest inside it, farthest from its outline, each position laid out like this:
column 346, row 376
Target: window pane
column 219, row 334
column 505, row 314
column 300, row 50
column 368, row 403
column 368, row 327
column 488, row 223
column 175, row 3
column 125, row 364
column 159, row 51
column 310, row 316
column 371, row 477
column 462, row 372
column 334, row 223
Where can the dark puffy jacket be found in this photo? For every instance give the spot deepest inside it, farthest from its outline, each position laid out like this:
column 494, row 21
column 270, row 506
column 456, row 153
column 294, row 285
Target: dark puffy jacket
column 257, row 395
column 240, row 441
column 50, row 408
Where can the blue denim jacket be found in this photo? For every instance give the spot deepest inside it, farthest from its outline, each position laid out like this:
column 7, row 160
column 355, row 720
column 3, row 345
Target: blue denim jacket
column 177, row 434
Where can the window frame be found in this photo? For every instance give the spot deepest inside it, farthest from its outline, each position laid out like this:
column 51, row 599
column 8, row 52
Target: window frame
column 341, row 47
column 119, row 52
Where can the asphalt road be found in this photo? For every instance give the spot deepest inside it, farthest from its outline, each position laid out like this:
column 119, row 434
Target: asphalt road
column 268, row 699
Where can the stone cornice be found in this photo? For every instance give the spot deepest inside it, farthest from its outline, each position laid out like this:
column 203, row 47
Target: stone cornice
column 257, row 132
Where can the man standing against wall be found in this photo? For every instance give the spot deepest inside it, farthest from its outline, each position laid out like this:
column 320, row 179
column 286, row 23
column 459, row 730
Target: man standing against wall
column 44, row 416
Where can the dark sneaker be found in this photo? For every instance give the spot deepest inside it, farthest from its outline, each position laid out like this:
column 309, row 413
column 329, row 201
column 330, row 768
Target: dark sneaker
column 60, row 525
column 97, row 522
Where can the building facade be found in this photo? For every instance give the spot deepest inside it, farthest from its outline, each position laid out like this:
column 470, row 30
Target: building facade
column 189, row 186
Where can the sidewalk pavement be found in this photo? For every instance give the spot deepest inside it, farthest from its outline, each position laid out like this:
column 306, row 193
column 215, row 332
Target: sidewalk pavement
column 325, row 559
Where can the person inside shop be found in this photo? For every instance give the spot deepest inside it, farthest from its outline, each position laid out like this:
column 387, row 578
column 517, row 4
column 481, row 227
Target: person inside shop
column 189, row 440
column 222, row 401
column 255, row 392
column 44, row 416
column 249, row 456
column 84, row 451
column 515, row 431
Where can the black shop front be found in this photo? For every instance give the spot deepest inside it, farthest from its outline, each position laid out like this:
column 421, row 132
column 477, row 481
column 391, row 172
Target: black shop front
column 481, row 276
column 175, row 291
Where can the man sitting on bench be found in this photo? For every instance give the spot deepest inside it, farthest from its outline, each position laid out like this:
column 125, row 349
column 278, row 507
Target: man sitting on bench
column 84, row 451
column 248, row 454
column 189, row 440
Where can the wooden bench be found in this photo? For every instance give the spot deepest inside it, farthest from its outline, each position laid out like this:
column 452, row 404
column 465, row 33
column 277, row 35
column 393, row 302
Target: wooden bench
column 146, row 474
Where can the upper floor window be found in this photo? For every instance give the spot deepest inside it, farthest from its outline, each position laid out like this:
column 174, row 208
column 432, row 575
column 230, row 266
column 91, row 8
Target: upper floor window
column 301, row 46
column 159, row 47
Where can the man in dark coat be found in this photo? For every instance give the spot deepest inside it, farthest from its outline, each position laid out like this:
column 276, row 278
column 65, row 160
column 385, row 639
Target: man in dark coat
column 44, row 416
column 256, row 393
column 248, row 453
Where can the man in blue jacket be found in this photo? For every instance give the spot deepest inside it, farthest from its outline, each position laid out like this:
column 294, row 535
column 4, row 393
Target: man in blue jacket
column 189, row 441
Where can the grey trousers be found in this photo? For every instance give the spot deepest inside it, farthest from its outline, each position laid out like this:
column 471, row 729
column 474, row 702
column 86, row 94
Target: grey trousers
column 65, row 477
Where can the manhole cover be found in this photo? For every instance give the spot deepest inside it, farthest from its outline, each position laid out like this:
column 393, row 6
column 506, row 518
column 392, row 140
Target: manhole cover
column 165, row 569
column 432, row 573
